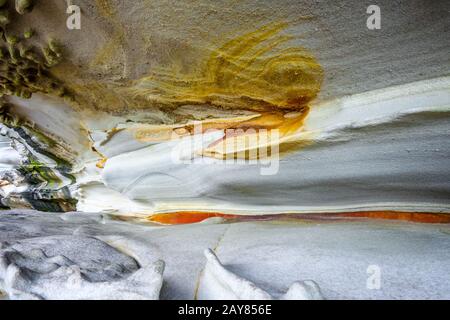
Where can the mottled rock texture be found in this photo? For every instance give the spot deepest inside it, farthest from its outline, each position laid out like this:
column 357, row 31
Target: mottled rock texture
column 413, row 258
column 120, row 42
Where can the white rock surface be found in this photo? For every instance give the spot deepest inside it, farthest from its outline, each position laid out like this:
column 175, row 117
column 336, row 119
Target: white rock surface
column 413, row 258
column 218, row 283
column 380, row 150
column 75, row 267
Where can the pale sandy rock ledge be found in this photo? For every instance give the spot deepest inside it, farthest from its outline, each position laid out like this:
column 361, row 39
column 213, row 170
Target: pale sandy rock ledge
column 340, row 257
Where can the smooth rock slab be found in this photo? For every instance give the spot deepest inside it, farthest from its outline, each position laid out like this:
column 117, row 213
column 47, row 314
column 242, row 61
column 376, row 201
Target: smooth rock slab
column 74, row 267
column 413, row 258
column 218, row 283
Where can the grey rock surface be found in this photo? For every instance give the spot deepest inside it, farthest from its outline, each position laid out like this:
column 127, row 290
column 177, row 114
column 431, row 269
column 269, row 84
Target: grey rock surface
column 72, row 267
column 413, row 258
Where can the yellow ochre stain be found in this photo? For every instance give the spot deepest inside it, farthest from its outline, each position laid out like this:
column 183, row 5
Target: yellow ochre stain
column 105, row 8
column 101, row 163
column 255, row 71
column 108, row 53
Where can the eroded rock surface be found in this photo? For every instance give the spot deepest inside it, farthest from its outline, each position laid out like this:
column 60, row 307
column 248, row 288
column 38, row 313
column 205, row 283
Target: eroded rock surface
column 339, row 256
column 74, row 267
column 218, row 283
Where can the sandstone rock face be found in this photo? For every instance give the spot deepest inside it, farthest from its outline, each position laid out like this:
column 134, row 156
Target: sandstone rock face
column 244, row 108
column 255, row 259
column 275, row 130
column 74, row 267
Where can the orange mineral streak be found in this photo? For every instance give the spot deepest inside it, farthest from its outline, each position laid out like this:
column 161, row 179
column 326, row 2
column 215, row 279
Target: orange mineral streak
column 185, row 217
column 423, row 217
